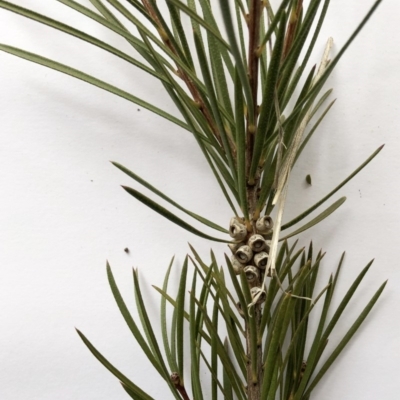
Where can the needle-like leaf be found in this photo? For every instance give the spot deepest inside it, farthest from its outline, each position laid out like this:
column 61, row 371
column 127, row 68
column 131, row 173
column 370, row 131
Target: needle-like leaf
column 180, row 301
column 130, row 322
column 166, row 198
column 350, row 333
column 89, row 79
column 167, row 214
column 317, row 219
column 330, row 194
column 229, row 26
column 268, row 104
column 139, row 393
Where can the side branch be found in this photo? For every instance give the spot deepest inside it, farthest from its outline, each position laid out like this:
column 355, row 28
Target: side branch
column 253, row 65
column 197, row 97
column 180, row 388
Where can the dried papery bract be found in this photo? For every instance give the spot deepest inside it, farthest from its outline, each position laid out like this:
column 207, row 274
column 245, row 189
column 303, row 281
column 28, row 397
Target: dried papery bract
column 244, row 90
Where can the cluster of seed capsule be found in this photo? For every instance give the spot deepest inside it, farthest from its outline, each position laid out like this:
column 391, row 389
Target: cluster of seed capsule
column 251, row 250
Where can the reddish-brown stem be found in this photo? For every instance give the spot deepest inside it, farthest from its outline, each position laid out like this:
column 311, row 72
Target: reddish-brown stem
column 254, row 18
column 175, row 379
column 253, row 382
column 254, row 40
column 291, row 29
column 197, row 97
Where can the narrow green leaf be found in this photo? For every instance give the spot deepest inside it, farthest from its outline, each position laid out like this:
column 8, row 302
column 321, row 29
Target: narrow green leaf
column 289, row 63
column 216, row 280
column 252, row 327
column 131, row 323
column 78, row 34
column 267, row 179
column 166, row 198
column 186, row 315
column 209, row 16
column 214, row 104
column 107, row 14
column 350, row 333
column 168, row 215
column 163, row 317
column 89, row 79
column 241, row 145
column 274, row 288
column 315, row 347
column 239, row 26
column 148, row 329
column 299, row 72
column 214, row 352
column 274, row 23
column 170, row 48
column 180, row 302
column 194, row 352
column 229, row 26
column 318, row 218
column 227, row 383
column 268, row 104
column 133, row 388
column 180, row 33
column 161, row 23
column 212, row 372
column 110, row 23
column 319, row 84
column 299, row 327
column 197, row 18
column 274, row 381
column 237, row 384
column 345, row 300
column 231, row 321
column 239, row 292
column 312, row 131
column 134, row 395
column 316, row 205
column 204, row 296
column 218, row 73
column 273, row 348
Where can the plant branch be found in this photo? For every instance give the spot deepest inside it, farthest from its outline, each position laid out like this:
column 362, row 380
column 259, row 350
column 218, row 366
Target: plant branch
column 176, row 380
column 253, row 65
column 292, row 27
column 197, row 97
column 254, row 378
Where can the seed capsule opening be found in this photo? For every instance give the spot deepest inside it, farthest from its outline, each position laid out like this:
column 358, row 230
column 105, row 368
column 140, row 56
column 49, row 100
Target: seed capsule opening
column 258, row 294
column 264, row 224
column 252, row 273
column 257, row 243
column 261, row 260
column 244, row 254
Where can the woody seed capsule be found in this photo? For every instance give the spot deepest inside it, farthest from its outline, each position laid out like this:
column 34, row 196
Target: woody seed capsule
column 256, row 243
column 244, row 254
column 261, row 259
column 252, row 273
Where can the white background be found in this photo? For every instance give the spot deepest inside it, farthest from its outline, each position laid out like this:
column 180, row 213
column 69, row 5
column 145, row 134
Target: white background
column 62, row 212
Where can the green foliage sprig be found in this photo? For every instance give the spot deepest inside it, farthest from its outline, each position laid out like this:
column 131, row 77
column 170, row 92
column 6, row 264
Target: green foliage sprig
column 249, row 98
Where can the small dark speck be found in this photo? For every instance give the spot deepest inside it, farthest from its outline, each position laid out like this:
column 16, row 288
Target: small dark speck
column 91, row 180
column 308, row 179
column 138, row 109
column 126, row 250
